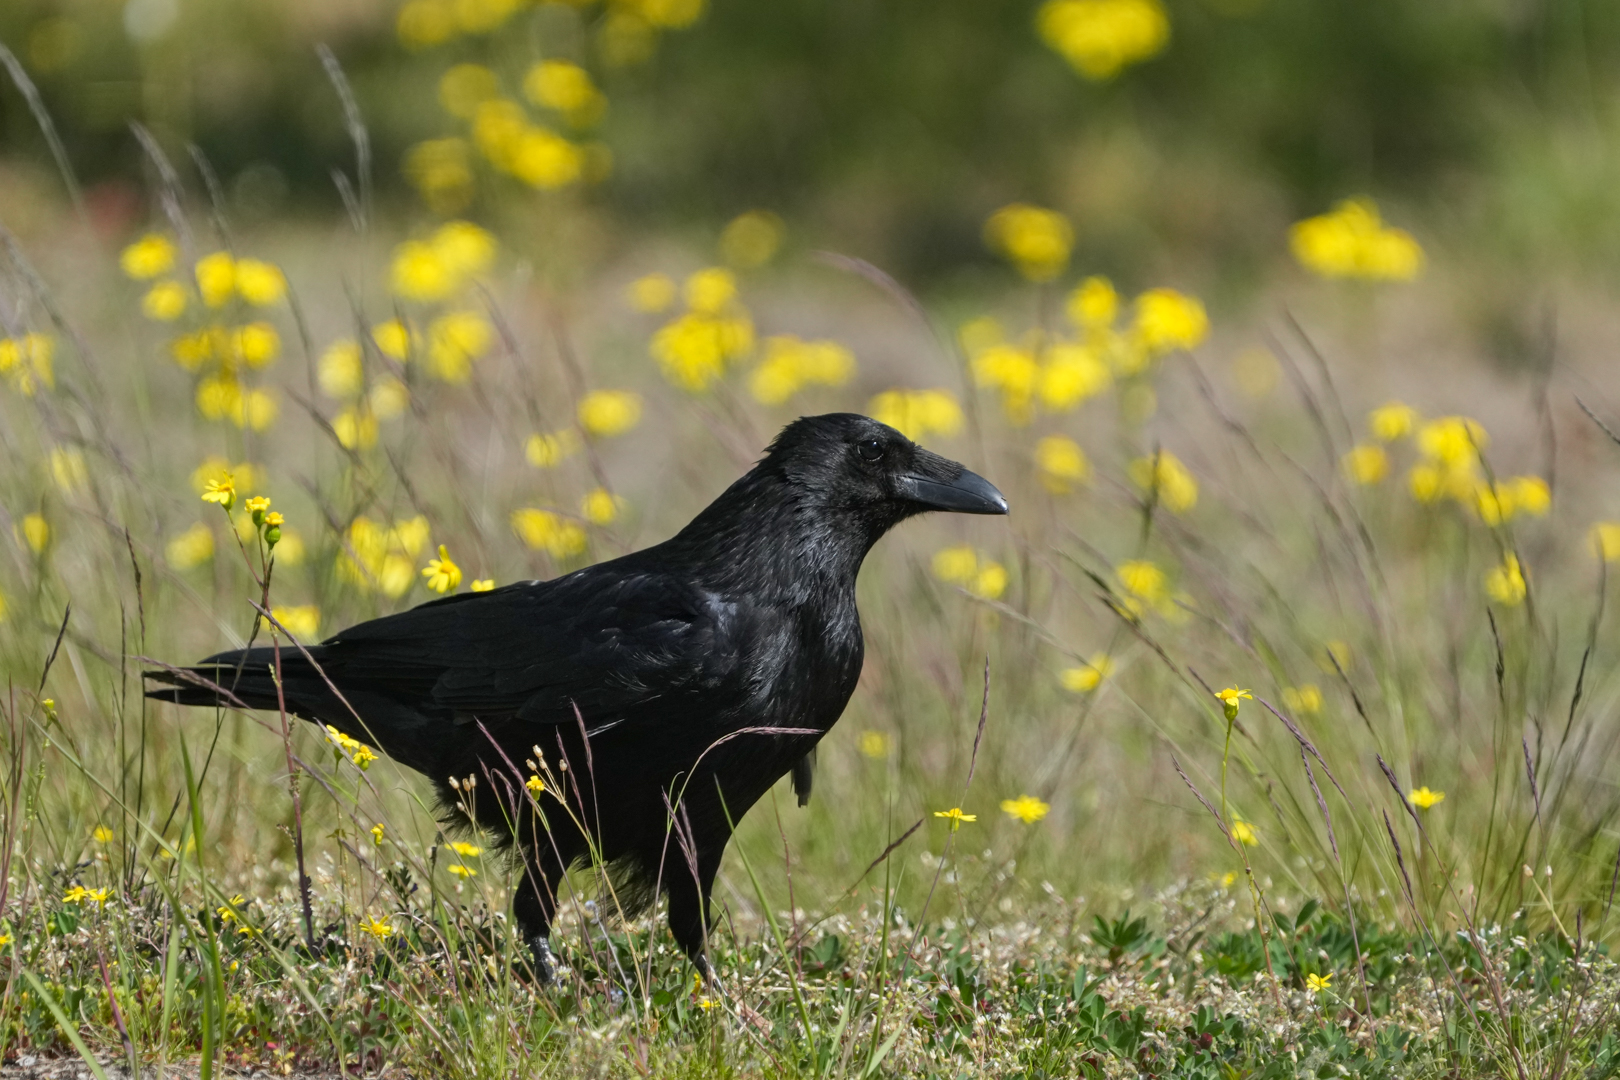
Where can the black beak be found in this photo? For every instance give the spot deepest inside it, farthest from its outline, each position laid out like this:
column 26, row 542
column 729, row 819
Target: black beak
column 969, row 493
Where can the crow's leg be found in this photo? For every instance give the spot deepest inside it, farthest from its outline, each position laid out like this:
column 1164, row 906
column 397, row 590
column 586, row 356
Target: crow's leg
column 689, row 905
column 535, row 904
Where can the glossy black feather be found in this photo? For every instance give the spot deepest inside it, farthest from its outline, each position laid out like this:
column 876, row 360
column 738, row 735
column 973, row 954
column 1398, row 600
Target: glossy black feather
column 645, row 680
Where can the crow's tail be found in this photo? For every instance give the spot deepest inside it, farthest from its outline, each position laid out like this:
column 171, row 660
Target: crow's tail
column 245, row 677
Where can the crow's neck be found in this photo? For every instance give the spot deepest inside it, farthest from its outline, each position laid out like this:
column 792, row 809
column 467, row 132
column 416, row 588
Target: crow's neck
column 764, row 535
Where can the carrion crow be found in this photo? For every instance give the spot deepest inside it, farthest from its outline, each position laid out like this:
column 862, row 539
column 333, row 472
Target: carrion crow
column 666, row 690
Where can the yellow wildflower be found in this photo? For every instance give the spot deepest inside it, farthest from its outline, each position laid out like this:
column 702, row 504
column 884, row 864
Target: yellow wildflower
column 955, row 816
column 1026, row 808
column 1230, row 698
column 1531, row 495
column 1306, row 698
column 1423, row 798
column 442, row 574
column 1062, row 463
column 463, row 872
column 1605, row 540
column 68, row 470
column 791, row 364
column 302, row 621
column 977, row 335
column 566, row 88
column 355, row 428
column 1071, row 375
column 875, row 744
column 549, row 451
column 221, row 490
column 600, row 507
column 464, row 87
column 1088, row 676
column 102, row 835
column 441, row 171
column 1014, row 372
column 1037, row 241
column 455, row 341
column 1099, row 38
column 363, row 758
column 957, row 565
column 1144, row 580
column 1167, row 478
column 389, row 397
column 392, row 339
column 692, row 350
column 260, row 283
column 466, row 850
column 710, row 290
column 418, row 273
column 1366, row 464
column 36, row 532
column 464, row 250
column 149, row 257
column 340, row 370
column 651, row 293
column 216, row 278
column 545, row 160
column 1318, row 983
column 75, row 894
column 1392, row 420
column 557, row 536
column 1168, row 320
column 257, row 344
column 258, row 504
column 535, row 786
column 165, row 301
column 606, row 413
column 1452, row 441
column 751, row 239
column 377, row 928
column 191, row 548
column 377, row 834
column 917, row 414
column 29, row 361
column 1505, row 583
column 482, row 585
column 1093, row 303
column 1244, row 833
column 424, row 23
column 1352, row 241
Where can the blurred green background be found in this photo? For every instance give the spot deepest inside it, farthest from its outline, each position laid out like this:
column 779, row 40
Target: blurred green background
column 890, row 130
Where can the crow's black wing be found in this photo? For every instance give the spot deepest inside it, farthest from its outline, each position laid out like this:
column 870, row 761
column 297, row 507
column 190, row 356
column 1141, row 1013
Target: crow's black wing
column 613, row 645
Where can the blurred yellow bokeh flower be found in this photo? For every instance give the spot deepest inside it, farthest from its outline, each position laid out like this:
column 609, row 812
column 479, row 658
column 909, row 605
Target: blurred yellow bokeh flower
column 260, row 283
column 651, row 293
column 216, row 278
column 751, row 239
column 1168, row 320
column 301, row 621
column 1144, row 580
column 191, row 548
column 36, row 533
column 565, row 88
column 1026, row 808
column 916, row 414
column 600, row 507
column 1305, row 698
column 693, row 350
column 1392, row 420
column 790, row 365
column 1244, row 833
column 1352, row 241
column 1070, row 375
column 1088, row 676
column 164, row 302
column 710, row 290
column 552, row 533
column 1093, row 303
column 151, row 256
column 1100, row 38
column 455, row 340
column 482, row 585
column 1062, row 464
column 68, row 470
column 1605, row 540
column 341, row 371
column 393, row 339
column 1035, row 240
column 1013, row 371
column 875, row 744
column 1166, row 478
column 547, row 451
column 441, row 172
column 606, row 413
column 1424, row 799
column 464, row 87
column 256, row 344
column 1505, row 583
column 29, row 362
column 382, row 556
column 1365, row 464
column 355, row 428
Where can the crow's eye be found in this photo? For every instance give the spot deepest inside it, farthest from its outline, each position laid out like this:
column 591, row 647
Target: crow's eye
column 870, row 450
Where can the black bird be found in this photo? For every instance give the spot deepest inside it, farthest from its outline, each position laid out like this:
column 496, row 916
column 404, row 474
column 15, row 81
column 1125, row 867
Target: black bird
column 639, row 679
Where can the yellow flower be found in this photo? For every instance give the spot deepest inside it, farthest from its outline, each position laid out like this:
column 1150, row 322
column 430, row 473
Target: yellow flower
column 1452, row 441
column 1531, row 495
column 1013, row 371
column 1230, row 699
column 710, row 290
column 216, row 278
column 549, row 451
column 916, row 414
column 1099, row 38
column 566, row 88
column 1071, row 375
column 556, row 535
column 258, row 504
column 363, row 758
column 102, row 835
column 455, row 341
column 1037, row 241
column 340, row 370
column 377, row 834
column 957, row 565
column 356, row 429
column 1423, row 798
column 535, row 786
column 29, row 360
column 392, row 339
column 1392, row 420
column 606, row 413
column 1306, row 698
column 377, row 928
column 463, row 872
column 1605, row 540
column 389, row 397
column 1088, row 676
column 1352, row 241
column 165, row 301
column 1094, row 303
column 1165, row 476
column 599, row 507
column 418, row 273
column 441, row 172
column 191, row 548
column 1318, row 983
column 260, row 283
column 1366, row 464
column 482, row 585
column 464, row 87
column 1168, row 320
column 290, row 551
column 1026, row 808
column 1062, row 463
column 955, row 816
column 442, row 574
column 545, row 160
column 1244, row 833
column 693, row 349
column 651, row 293
column 75, row 894
column 751, row 239
column 425, row 23
column 1505, row 583
column 68, row 470
column 466, row 850
column 875, row 744
column 149, row 257
column 221, row 490
column 36, row 533
column 1144, row 580
column 301, row 621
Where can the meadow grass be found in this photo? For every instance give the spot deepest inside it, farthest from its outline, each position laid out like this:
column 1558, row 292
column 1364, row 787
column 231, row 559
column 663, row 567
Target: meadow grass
column 1150, row 877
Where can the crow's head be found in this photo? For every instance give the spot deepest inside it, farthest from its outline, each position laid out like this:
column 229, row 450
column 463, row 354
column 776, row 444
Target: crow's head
column 861, row 471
